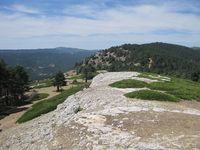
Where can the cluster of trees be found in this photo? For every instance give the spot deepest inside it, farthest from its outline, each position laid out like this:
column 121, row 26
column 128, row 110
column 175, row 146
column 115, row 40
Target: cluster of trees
column 165, row 58
column 13, row 84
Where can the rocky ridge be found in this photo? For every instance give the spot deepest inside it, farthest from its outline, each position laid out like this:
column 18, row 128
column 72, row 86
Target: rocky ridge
column 109, row 120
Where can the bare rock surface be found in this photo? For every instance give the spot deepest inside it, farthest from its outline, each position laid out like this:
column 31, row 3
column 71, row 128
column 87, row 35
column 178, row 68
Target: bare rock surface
column 109, row 120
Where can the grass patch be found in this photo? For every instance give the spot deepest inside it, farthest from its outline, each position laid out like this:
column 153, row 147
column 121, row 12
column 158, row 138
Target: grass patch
column 129, row 83
column 148, row 76
column 76, row 77
column 152, row 95
column 181, row 88
column 39, row 96
column 152, row 76
column 42, row 84
column 48, row 105
column 76, row 82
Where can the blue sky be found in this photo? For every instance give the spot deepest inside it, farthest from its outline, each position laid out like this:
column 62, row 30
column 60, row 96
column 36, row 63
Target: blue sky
column 97, row 24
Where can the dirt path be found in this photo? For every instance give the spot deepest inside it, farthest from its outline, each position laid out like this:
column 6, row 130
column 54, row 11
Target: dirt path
column 10, row 120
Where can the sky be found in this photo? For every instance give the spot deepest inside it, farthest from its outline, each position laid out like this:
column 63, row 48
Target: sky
column 97, row 24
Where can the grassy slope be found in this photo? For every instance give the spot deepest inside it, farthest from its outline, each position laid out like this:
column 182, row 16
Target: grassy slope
column 48, row 105
column 151, row 76
column 129, row 83
column 183, row 89
column 152, row 95
column 180, row 88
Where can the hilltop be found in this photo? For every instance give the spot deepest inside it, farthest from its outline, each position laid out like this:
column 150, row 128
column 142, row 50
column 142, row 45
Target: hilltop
column 110, row 120
column 162, row 58
column 44, row 63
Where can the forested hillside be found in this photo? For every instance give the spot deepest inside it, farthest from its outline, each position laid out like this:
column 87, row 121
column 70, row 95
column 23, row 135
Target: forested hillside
column 160, row 58
column 42, row 63
column 196, row 48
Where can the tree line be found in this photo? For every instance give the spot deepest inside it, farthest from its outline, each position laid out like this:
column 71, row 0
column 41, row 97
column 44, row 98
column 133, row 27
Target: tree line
column 13, row 84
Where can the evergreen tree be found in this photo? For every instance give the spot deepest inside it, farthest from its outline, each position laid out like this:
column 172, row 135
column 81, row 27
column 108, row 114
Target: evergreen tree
column 3, row 75
column 88, row 72
column 19, row 83
column 13, row 84
column 59, row 80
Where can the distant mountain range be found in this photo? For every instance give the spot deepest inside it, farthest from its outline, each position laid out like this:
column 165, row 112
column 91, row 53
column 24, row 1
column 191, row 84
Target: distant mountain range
column 43, row 63
column 157, row 57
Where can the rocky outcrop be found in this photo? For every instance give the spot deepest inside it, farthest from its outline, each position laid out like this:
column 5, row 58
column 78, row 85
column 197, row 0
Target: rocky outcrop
column 109, row 120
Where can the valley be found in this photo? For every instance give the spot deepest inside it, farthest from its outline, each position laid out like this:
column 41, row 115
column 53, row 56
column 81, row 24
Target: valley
column 44, row 63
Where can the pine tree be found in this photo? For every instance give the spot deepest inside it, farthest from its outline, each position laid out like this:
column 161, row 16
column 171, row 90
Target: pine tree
column 59, row 80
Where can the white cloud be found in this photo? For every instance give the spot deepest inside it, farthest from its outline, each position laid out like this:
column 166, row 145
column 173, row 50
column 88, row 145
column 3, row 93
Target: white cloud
column 23, row 9
column 81, row 11
column 130, row 24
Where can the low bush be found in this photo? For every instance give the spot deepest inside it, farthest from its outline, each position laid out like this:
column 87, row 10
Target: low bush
column 76, row 110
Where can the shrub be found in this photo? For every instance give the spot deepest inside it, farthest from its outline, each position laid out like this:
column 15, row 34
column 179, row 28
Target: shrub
column 74, row 81
column 76, row 110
